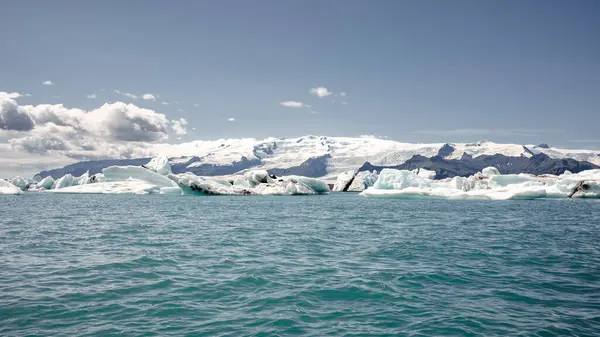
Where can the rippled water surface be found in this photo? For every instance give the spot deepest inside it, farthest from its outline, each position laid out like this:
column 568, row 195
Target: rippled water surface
column 106, row 265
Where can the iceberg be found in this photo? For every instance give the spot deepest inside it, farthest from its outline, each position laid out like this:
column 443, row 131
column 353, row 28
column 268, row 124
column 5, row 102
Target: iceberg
column 43, row 184
column 156, row 177
column 121, row 173
column 487, row 185
column 256, row 182
column 129, row 186
column 22, row 183
column 159, row 164
column 343, row 180
column 350, row 181
column 8, row 188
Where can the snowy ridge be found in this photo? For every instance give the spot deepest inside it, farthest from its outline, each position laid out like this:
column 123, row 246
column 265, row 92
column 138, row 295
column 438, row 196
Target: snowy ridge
column 335, row 154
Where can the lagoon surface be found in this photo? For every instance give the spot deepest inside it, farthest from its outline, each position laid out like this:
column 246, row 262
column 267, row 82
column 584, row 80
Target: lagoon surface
column 101, row 265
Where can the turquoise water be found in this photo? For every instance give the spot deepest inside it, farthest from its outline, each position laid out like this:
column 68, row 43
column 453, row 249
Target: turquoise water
column 101, row 265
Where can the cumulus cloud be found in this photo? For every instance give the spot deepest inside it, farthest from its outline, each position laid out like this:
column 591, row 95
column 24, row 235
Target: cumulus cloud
column 115, row 130
column 342, row 94
column 116, row 121
column 127, row 122
column 231, row 119
column 294, row 104
column 91, row 96
column 126, row 94
column 164, row 103
column 12, row 117
column 149, row 97
column 179, row 126
column 320, row 92
column 48, row 83
column 46, row 139
column 10, row 95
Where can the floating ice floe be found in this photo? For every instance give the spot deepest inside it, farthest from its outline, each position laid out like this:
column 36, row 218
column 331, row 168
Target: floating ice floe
column 256, row 182
column 156, row 178
column 488, row 184
column 8, row 188
column 350, row 181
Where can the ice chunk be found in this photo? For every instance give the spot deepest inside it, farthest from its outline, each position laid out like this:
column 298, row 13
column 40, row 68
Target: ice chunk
column 316, row 185
column 342, row 180
column 21, row 183
column 120, row 173
column 130, row 186
column 391, row 179
column 191, row 183
column 8, row 188
column 424, row 173
column 250, row 184
column 490, row 171
column 256, row 177
column 65, row 181
column 159, row 164
column 488, row 185
column 45, row 184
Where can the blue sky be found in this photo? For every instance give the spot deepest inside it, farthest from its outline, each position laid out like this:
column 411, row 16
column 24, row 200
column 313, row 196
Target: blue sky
column 415, row 71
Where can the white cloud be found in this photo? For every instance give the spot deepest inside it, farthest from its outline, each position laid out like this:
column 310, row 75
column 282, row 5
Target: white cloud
column 12, row 117
column 320, row 92
column 176, row 102
column 179, row 126
column 294, row 104
column 196, row 105
column 91, row 96
column 342, row 94
column 116, row 122
column 344, row 102
column 164, row 103
column 180, row 110
column 231, row 119
column 148, row 97
column 28, row 95
column 10, row 95
column 48, row 83
column 126, row 94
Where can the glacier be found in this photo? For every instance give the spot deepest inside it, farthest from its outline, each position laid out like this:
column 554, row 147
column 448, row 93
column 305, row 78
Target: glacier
column 486, row 185
column 328, row 157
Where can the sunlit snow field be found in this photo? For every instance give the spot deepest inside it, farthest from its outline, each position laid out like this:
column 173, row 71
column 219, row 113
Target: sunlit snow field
column 337, row 264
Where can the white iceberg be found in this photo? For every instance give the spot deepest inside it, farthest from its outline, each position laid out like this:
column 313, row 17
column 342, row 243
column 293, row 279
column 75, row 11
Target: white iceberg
column 343, row 180
column 8, row 188
column 159, row 164
column 44, row 184
column 129, row 186
column 22, row 183
column 355, row 182
column 488, row 184
column 121, row 173
column 257, row 182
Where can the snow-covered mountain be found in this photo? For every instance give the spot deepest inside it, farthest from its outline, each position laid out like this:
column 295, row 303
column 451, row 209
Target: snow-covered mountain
column 320, row 156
